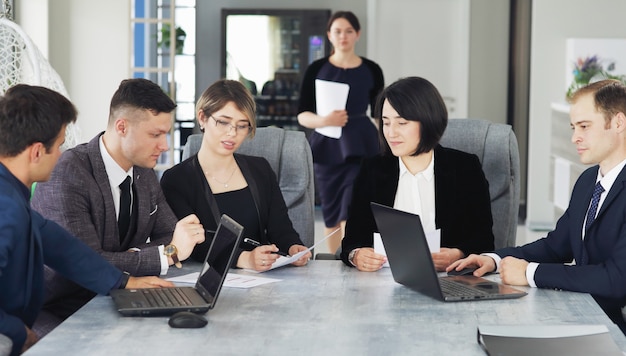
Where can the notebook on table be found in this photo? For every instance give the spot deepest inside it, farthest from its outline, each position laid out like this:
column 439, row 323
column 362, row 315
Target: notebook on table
column 197, row 299
column 412, row 265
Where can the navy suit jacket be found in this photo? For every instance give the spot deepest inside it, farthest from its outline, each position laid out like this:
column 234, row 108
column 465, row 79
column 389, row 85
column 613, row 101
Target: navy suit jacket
column 462, row 203
column 27, row 241
column 604, row 275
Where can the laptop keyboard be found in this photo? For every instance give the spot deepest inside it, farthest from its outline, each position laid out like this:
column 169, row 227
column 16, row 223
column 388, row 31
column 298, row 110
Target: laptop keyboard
column 166, row 297
column 457, row 289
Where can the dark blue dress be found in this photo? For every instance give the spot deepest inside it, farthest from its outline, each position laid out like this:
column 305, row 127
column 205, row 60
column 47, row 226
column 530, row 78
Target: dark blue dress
column 336, row 161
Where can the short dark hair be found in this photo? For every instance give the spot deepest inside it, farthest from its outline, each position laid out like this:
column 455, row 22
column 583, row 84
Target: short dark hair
column 415, row 99
column 31, row 114
column 139, row 93
column 609, row 96
column 348, row 15
column 225, row 91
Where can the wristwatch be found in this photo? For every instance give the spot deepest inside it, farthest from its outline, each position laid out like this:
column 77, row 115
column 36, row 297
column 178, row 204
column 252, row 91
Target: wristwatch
column 351, row 256
column 171, row 251
column 124, row 280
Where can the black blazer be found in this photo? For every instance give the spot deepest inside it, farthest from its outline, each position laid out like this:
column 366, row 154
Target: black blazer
column 462, row 203
column 604, row 275
column 183, row 186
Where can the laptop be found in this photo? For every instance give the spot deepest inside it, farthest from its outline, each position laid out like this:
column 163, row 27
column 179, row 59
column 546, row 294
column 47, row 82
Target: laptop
column 412, row 265
column 197, row 299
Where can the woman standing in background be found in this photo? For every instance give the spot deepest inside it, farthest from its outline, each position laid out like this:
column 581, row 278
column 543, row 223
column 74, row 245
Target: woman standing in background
column 336, row 161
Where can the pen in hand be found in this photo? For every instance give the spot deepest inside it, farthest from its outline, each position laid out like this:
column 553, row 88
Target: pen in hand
column 257, row 244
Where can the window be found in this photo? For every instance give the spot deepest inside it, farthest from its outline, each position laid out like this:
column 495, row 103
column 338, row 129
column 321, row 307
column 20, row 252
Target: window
column 167, row 57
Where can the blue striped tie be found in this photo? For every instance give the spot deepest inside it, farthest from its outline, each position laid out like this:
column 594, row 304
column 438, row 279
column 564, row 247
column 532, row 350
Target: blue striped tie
column 595, row 199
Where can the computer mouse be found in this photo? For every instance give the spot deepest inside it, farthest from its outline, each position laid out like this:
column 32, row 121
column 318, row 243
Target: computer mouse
column 462, row 272
column 187, row 319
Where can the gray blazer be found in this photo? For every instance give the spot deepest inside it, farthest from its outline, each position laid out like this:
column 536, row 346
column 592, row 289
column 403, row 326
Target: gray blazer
column 78, row 197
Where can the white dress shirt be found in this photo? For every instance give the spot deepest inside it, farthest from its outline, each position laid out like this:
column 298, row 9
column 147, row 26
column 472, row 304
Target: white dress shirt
column 116, row 176
column 416, row 193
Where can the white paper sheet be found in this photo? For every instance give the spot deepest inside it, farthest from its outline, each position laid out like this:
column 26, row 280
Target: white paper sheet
column 433, row 239
column 282, row 261
column 330, row 96
column 233, row 280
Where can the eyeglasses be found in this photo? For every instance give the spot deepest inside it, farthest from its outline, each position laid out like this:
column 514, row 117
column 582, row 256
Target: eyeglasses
column 226, row 126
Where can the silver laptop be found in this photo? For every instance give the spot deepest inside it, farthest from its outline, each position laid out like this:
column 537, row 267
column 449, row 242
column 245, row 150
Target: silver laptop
column 412, row 265
column 198, row 299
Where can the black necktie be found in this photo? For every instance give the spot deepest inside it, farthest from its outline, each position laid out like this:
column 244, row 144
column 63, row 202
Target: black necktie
column 123, row 218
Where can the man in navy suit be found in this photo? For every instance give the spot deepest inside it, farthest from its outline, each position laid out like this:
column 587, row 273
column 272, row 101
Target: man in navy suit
column 83, row 195
column 32, row 129
column 592, row 231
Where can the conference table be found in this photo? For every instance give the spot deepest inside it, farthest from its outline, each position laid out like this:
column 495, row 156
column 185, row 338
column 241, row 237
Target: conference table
column 322, row 308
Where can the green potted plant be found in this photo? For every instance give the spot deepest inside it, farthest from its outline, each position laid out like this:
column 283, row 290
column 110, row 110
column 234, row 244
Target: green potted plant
column 166, row 36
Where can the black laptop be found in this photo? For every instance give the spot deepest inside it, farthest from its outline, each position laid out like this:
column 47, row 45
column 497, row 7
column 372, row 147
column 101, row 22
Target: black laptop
column 198, row 299
column 412, row 265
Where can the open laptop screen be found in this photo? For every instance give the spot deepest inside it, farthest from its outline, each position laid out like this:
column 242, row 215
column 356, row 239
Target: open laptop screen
column 218, row 259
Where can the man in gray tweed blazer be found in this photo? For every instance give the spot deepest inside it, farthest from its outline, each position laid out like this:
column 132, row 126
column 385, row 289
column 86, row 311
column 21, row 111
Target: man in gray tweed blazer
column 83, row 195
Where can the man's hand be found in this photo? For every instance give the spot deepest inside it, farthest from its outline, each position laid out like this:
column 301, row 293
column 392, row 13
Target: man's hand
column 147, row 282
column 445, row 257
column 513, row 271
column 295, row 249
column 187, row 234
column 483, row 264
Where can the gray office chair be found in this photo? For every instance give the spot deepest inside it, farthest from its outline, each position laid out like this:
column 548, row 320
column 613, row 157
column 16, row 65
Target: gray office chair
column 5, row 345
column 289, row 155
column 496, row 147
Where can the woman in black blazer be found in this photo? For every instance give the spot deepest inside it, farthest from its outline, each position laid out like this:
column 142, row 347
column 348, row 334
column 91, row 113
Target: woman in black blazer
column 446, row 187
column 218, row 181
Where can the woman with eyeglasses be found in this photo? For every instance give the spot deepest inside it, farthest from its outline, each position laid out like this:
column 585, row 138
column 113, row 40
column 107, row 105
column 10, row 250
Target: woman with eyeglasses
column 219, row 181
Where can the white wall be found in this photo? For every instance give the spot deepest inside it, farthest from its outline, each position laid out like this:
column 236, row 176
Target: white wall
column 88, row 44
column 553, row 21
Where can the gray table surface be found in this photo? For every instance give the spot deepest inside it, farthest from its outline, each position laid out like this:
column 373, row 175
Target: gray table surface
column 324, row 308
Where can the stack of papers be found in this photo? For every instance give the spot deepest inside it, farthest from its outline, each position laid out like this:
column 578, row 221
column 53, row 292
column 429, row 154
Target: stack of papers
column 233, row 280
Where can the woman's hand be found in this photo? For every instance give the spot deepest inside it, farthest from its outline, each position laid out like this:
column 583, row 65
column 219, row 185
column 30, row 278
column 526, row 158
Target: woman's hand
column 337, row 118
column 260, row 259
column 304, row 259
column 445, row 257
column 367, row 260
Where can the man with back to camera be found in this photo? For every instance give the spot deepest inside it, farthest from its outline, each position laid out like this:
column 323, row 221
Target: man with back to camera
column 85, row 195
column 592, row 231
column 32, row 129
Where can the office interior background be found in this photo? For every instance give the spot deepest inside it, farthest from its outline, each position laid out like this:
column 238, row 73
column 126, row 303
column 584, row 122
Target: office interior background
column 500, row 60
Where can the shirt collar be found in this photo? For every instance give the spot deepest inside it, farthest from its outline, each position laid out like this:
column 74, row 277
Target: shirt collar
column 609, row 178
column 115, row 173
column 427, row 173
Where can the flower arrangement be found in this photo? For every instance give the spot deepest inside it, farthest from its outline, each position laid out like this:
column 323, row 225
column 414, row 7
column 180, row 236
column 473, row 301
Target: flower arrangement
column 589, row 70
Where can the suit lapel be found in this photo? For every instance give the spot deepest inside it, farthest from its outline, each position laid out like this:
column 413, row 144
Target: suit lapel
column 254, row 189
column 388, row 173
column 614, row 192
column 110, row 239
column 445, row 175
